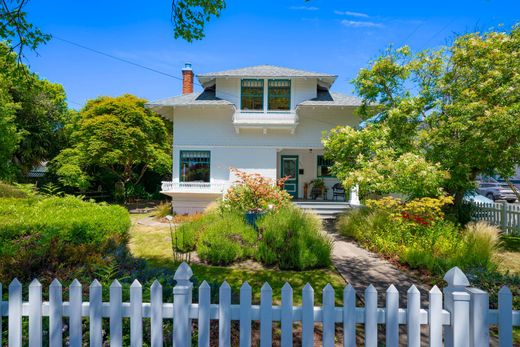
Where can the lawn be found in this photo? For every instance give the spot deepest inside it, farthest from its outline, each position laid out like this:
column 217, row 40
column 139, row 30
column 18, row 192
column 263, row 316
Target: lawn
column 152, row 243
column 508, row 256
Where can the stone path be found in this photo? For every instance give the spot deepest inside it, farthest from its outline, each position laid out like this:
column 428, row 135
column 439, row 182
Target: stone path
column 361, row 268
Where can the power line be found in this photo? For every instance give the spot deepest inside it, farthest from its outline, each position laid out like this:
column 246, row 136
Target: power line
column 116, row 58
column 440, row 31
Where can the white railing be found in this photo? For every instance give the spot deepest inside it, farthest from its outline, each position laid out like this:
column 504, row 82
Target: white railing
column 194, row 187
column 271, row 117
column 504, row 215
column 458, row 316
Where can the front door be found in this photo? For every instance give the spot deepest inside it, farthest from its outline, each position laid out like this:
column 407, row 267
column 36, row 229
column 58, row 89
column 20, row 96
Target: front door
column 289, row 168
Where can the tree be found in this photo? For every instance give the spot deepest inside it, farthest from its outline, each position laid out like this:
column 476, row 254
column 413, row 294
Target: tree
column 9, row 136
column 16, row 30
column 436, row 118
column 36, row 112
column 117, row 135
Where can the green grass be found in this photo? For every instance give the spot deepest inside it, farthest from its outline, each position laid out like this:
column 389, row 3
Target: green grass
column 153, row 245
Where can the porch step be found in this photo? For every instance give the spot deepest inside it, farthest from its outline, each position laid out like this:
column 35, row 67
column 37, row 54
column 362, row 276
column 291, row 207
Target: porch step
column 323, row 208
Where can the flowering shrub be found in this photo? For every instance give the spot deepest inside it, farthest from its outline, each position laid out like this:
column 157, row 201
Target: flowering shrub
column 254, row 192
column 422, row 211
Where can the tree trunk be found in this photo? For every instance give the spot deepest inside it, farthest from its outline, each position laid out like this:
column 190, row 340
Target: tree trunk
column 513, row 188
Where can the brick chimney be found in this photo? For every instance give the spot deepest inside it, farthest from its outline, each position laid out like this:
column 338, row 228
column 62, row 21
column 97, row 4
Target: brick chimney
column 187, row 79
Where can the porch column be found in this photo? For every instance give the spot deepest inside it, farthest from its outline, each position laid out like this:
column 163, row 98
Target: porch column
column 354, row 196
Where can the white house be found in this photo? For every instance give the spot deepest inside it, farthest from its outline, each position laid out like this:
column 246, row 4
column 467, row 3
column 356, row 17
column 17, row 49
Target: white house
column 264, row 119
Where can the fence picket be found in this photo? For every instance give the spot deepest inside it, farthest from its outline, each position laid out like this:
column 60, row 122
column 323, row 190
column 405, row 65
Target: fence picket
column 136, row 314
column 35, row 314
column 266, row 315
column 505, row 317
column 307, row 316
column 224, row 315
column 76, row 301
column 15, row 314
column 204, row 318
column 286, row 316
column 156, row 316
column 391, row 317
column 371, row 316
column 329, row 316
column 96, row 312
column 55, row 314
column 465, row 318
column 435, row 317
column 413, row 317
column 349, row 316
column 245, row 315
column 116, row 315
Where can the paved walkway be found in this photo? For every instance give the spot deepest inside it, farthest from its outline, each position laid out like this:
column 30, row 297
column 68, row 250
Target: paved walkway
column 362, row 268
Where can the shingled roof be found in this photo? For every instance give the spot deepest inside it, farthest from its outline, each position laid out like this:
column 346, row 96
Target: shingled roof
column 206, row 97
column 327, row 98
column 267, row 71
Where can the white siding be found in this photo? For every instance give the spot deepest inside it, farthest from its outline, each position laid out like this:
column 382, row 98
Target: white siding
column 213, row 127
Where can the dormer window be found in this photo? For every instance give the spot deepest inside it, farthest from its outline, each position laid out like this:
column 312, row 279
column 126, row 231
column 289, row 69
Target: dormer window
column 279, row 95
column 252, row 95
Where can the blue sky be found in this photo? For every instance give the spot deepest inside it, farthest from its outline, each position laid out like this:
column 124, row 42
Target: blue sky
column 337, row 37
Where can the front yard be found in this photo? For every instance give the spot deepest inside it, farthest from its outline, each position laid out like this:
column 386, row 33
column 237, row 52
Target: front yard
column 153, row 244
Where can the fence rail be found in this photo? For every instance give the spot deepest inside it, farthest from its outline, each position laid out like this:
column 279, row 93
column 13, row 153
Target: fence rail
column 504, row 215
column 458, row 316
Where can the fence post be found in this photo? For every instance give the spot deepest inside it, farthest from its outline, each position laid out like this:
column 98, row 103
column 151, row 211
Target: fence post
column 182, row 294
column 503, row 216
column 456, row 302
column 478, row 317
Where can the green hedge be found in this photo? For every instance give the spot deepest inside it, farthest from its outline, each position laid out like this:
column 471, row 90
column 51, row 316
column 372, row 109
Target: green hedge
column 293, row 240
column 42, row 236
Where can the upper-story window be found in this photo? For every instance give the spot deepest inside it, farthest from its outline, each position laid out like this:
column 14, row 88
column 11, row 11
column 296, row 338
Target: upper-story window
column 252, row 95
column 279, row 95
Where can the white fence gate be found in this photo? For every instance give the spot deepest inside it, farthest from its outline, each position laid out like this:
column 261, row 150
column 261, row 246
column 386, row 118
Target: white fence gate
column 458, row 317
column 504, row 215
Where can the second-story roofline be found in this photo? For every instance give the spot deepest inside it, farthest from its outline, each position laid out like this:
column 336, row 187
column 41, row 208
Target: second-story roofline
column 266, row 71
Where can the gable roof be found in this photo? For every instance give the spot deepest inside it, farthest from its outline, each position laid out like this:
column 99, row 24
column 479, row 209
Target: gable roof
column 266, row 71
column 328, row 98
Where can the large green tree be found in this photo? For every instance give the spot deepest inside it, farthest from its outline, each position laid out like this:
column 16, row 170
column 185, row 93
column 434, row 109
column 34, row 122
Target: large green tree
column 435, row 120
column 116, row 135
column 33, row 113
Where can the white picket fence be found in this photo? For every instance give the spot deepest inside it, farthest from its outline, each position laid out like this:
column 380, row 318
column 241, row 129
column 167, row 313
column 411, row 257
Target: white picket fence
column 504, row 215
column 458, row 317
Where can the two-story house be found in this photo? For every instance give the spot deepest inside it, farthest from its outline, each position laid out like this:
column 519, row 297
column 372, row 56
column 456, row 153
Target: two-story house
column 263, row 119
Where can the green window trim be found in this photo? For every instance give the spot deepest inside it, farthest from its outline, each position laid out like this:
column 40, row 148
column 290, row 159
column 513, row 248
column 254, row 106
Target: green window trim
column 322, row 162
column 252, row 94
column 191, row 158
column 282, row 96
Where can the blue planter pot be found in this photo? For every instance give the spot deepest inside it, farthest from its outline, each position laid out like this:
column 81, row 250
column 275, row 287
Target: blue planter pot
column 252, row 217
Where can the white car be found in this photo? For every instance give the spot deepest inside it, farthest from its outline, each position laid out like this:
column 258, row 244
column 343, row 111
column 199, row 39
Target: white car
column 494, row 190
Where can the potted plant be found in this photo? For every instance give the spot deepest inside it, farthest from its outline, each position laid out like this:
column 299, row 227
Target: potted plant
column 318, row 187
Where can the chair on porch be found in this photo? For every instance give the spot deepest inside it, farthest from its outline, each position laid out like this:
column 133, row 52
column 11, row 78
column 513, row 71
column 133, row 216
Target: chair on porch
column 338, row 191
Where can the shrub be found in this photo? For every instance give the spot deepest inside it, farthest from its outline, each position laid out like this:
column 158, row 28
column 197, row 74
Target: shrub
column 163, row 209
column 186, row 235
column 253, row 192
column 226, row 239
column 481, row 239
column 45, row 235
column 420, row 237
column 10, row 191
column 292, row 239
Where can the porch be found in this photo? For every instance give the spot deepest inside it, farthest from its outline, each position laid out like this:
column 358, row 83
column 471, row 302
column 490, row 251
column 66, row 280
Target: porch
column 305, row 167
